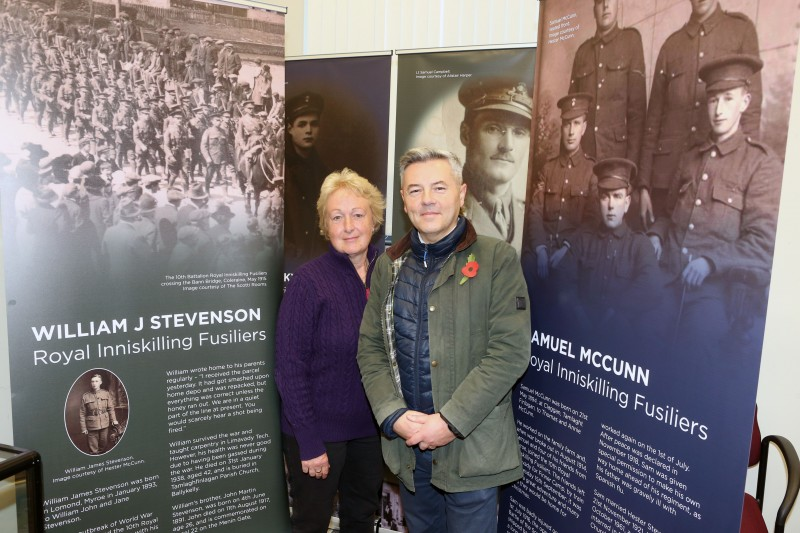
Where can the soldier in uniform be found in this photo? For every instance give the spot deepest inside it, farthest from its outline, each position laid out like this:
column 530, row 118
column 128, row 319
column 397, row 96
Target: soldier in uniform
column 123, row 128
column 48, row 93
column 67, row 94
column 676, row 118
column 214, row 147
column 176, row 141
column 305, row 173
column 724, row 205
column 102, row 120
column 82, row 112
column 610, row 277
column 97, row 415
column 496, row 132
column 23, row 90
column 145, row 142
column 610, row 67
column 565, row 196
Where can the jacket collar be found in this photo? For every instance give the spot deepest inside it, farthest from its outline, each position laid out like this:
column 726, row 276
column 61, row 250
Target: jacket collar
column 693, row 26
column 566, row 159
column 610, row 36
column 403, row 245
column 727, row 146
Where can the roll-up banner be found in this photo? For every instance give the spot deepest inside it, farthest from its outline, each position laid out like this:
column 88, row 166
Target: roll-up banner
column 434, row 91
column 659, row 137
column 142, row 209
column 334, row 120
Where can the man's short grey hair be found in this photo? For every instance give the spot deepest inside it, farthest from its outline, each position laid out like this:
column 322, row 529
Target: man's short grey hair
column 424, row 154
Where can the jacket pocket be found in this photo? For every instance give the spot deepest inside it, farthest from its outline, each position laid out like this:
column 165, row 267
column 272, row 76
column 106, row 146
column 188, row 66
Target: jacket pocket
column 492, row 447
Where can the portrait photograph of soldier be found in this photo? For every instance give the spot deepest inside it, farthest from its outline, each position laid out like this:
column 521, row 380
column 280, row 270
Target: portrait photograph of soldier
column 657, row 160
column 333, row 121
column 142, row 140
column 477, row 104
column 653, row 87
column 96, row 412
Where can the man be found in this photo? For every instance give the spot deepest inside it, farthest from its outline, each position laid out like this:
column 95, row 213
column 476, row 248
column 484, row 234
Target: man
column 566, row 189
column 176, row 141
column 496, row 132
column 446, row 333
column 724, row 205
column 611, row 282
column 214, row 147
column 610, row 67
column 97, row 415
column 305, row 172
column 676, row 120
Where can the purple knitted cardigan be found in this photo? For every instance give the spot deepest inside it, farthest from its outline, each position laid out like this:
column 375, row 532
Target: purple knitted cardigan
column 315, row 354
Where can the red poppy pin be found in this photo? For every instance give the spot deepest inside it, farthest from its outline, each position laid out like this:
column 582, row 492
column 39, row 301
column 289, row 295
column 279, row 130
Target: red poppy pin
column 470, row 270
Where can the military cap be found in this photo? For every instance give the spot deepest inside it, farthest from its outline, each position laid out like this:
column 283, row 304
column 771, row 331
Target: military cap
column 222, row 211
column 35, row 150
column 185, row 85
column 103, row 149
column 198, row 80
column 208, row 39
column 174, row 194
column 614, row 173
column 176, row 29
column 129, row 210
column 217, row 86
column 198, row 192
column 147, row 203
column 729, row 71
column 306, row 103
column 574, row 105
column 193, row 36
column 124, row 15
column 176, row 110
column 149, row 179
column 228, row 45
column 215, row 114
column 219, row 42
column 85, row 140
column 506, row 94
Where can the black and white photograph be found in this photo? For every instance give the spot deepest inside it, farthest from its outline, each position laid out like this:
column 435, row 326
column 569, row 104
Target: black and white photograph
column 477, row 104
column 96, row 411
column 141, row 139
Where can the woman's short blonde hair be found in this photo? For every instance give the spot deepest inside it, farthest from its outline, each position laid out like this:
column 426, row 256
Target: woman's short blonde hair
column 350, row 180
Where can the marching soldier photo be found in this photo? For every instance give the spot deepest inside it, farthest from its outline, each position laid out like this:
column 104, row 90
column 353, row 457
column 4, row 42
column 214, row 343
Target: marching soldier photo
column 116, row 99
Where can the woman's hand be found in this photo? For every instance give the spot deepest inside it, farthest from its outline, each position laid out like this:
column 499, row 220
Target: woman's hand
column 317, row 467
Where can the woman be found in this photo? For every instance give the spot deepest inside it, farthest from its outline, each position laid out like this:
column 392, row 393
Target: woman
column 330, row 439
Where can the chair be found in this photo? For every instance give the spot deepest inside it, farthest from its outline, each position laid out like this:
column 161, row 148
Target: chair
column 752, row 518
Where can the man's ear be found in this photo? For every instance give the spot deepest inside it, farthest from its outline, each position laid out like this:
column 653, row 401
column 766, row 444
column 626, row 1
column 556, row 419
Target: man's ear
column 464, row 133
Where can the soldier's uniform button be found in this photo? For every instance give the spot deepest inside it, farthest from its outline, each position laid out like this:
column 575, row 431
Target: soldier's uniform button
column 596, row 128
column 684, row 251
column 698, row 202
column 713, row 153
column 563, row 200
column 601, row 46
column 702, row 55
column 694, row 129
column 560, row 217
column 697, row 104
column 702, row 33
column 599, row 85
column 691, row 226
column 704, row 177
column 598, row 107
column 730, row 200
column 599, row 65
column 432, row 308
column 566, row 181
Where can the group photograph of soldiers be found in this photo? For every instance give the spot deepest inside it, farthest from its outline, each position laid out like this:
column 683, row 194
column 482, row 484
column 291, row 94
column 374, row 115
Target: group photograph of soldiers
column 133, row 147
column 654, row 195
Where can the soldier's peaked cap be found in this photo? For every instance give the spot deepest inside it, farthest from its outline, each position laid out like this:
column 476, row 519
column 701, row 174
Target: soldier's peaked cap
column 615, row 173
column 306, row 103
column 729, row 71
column 574, row 105
column 506, row 94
